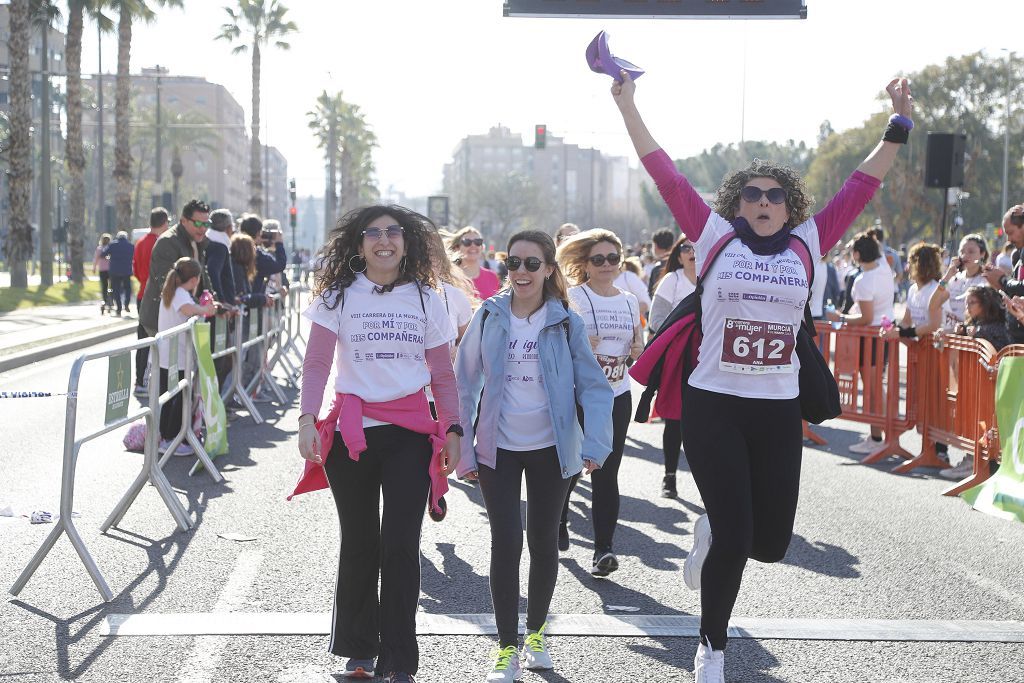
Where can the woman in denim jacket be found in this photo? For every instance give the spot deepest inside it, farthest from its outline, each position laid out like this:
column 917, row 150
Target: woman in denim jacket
column 524, row 364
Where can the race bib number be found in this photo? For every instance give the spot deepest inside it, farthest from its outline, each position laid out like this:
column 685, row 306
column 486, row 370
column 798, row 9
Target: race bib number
column 614, row 368
column 755, row 347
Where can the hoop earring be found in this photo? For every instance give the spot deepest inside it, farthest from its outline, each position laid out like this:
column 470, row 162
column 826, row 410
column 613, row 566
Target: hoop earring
column 352, row 267
column 402, row 264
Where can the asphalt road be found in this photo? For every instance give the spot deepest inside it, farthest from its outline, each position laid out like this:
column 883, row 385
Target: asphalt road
column 868, row 544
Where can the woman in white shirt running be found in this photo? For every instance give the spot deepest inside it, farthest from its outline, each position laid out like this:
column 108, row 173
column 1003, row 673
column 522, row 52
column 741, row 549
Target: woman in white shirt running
column 612, row 318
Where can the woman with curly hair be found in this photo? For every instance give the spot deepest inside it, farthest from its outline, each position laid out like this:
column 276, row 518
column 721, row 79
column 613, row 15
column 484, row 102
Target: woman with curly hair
column 612, row 319
column 741, row 415
column 377, row 316
column 467, row 245
column 920, row 319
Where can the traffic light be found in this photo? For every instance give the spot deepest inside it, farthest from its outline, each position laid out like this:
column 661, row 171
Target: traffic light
column 540, row 136
column 291, row 190
column 293, row 216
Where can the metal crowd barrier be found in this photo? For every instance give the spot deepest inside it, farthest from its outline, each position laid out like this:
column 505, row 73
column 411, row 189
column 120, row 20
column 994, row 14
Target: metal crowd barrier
column 151, row 466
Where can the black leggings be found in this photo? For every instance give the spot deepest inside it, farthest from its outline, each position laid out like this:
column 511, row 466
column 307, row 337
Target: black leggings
column 744, row 454
column 604, row 504
column 170, row 412
column 374, row 545
column 671, row 442
column 545, row 491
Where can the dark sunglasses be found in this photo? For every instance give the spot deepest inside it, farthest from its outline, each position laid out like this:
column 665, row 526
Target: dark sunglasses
column 599, row 259
column 753, row 194
column 205, row 225
column 470, row 241
column 532, row 263
column 685, row 248
column 393, row 232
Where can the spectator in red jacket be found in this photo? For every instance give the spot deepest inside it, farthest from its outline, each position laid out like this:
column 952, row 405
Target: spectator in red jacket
column 158, row 224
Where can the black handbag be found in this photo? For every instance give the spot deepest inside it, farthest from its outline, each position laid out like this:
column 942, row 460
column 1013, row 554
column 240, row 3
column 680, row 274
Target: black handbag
column 819, row 392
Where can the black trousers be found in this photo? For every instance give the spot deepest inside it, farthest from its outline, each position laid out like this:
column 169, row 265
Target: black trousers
column 671, row 442
column 105, row 287
column 121, row 289
column 141, row 359
column 375, row 544
column 170, row 413
column 604, row 506
column 745, row 455
column 545, row 490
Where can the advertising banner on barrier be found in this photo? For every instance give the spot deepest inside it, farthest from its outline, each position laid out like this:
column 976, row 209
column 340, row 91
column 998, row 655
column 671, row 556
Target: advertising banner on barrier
column 214, row 414
column 1003, row 494
column 119, row 377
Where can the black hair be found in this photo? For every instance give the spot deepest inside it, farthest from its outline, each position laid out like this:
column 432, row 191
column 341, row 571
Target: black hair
column 866, row 247
column 158, row 217
column 663, row 238
column 195, row 206
column 251, row 225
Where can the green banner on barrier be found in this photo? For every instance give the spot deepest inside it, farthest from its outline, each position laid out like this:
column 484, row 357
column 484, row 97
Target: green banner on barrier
column 214, row 414
column 1003, row 494
column 119, row 377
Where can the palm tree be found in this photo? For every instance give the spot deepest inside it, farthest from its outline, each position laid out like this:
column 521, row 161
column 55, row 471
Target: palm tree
column 128, row 12
column 262, row 21
column 43, row 14
column 325, row 120
column 74, row 148
column 18, row 245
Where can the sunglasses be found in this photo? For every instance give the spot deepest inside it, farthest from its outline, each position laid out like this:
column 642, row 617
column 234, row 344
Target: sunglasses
column 205, row 225
column 532, row 263
column 472, row 241
column 612, row 259
column 752, row 194
column 393, row 232
column 686, row 248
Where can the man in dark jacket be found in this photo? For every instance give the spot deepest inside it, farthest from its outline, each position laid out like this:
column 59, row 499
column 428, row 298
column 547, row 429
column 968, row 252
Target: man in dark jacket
column 186, row 239
column 1013, row 285
column 218, row 256
column 121, row 252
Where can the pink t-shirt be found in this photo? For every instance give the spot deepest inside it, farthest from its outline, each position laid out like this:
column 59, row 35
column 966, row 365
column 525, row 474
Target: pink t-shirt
column 487, row 284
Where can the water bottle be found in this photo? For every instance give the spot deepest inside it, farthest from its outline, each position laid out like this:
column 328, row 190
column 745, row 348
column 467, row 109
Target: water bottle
column 886, row 323
column 206, row 298
column 830, row 308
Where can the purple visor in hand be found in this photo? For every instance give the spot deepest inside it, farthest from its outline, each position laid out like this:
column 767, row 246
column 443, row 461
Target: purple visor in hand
column 600, row 59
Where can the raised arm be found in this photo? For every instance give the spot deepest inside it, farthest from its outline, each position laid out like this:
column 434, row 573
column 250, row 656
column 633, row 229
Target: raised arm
column 689, row 210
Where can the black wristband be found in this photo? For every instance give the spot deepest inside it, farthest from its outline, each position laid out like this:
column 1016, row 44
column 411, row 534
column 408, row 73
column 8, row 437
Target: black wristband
column 894, row 132
column 908, row 331
column 456, row 429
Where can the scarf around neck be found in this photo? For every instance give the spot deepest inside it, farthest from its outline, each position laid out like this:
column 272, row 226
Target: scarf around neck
column 761, row 245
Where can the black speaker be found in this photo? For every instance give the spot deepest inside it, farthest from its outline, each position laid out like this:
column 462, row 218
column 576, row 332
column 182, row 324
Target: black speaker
column 944, row 160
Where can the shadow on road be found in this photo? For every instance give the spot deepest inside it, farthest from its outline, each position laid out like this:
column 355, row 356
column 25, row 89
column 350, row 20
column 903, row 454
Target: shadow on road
column 822, row 558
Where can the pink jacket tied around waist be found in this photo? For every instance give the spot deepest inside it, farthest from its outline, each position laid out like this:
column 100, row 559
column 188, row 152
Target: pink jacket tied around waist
column 346, row 416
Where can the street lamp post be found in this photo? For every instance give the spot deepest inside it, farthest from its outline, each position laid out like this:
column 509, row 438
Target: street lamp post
column 1006, row 135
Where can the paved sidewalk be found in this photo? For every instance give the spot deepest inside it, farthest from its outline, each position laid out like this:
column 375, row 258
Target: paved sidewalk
column 32, row 334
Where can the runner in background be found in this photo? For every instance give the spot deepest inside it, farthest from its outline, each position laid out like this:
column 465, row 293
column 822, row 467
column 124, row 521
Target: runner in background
column 565, row 231
column 378, row 319
column 524, row 365
column 630, row 280
column 741, row 414
column 612, row 319
column 467, row 245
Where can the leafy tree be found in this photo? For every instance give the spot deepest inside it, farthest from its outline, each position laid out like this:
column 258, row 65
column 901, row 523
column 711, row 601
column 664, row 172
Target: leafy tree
column 505, row 202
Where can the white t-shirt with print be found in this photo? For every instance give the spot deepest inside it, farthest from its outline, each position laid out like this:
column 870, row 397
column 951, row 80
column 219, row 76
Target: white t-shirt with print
column 171, row 316
column 751, row 310
column 954, row 310
column 614, row 319
column 674, row 287
column 917, row 301
column 525, row 420
column 629, row 281
column 877, row 286
column 460, row 310
column 382, row 338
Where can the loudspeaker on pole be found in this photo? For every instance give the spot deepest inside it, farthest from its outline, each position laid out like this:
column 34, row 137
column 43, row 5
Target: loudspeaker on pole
column 944, row 160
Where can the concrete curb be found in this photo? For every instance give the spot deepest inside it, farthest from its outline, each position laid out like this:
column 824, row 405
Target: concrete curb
column 22, row 358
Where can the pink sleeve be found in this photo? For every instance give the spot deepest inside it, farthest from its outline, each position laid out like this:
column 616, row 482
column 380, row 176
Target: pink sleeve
column 689, row 210
column 316, row 368
column 443, row 386
column 840, row 213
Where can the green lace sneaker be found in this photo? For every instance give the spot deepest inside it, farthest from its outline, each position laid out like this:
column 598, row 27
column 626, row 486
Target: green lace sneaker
column 535, row 652
column 507, row 667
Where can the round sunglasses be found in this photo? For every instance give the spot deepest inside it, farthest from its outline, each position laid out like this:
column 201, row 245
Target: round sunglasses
column 599, row 259
column 472, row 241
column 532, row 263
column 752, row 194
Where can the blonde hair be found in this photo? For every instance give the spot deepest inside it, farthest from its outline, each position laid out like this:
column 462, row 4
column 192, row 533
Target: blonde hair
column 454, row 240
column 633, row 265
column 574, row 252
column 184, row 269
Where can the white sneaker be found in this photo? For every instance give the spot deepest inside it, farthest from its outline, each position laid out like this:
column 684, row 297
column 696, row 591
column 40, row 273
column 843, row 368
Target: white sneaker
column 535, row 651
column 866, row 445
column 708, row 665
column 962, row 470
column 694, row 562
column 507, row 667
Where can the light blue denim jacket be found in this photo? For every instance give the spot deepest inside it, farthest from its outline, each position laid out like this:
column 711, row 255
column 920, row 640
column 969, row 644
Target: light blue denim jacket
column 571, row 376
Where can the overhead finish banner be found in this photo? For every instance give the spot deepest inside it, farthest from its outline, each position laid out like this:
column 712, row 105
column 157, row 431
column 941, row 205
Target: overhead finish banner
column 1002, row 495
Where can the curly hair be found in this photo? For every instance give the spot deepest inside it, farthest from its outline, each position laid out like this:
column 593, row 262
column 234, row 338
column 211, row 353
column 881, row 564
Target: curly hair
column 343, row 243
column 798, row 200
column 991, row 305
column 555, row 287
column 925, row 263
column 573, row 252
